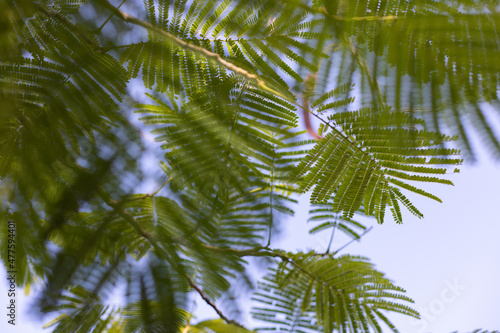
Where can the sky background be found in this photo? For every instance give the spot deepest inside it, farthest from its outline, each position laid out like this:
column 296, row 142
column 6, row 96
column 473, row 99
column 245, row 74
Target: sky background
column 448, row 261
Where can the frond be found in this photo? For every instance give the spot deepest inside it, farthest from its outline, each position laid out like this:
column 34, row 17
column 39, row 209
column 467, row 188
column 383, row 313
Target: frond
column 432, row 59
column 310, row 293
column 224, row 134
column 366, row 155
column 255, row 37
column 155, row 300
column 223, row 77
column 83, row 312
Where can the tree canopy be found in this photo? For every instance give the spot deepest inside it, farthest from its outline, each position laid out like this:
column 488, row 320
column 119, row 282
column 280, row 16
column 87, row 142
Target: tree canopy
column 397, row 88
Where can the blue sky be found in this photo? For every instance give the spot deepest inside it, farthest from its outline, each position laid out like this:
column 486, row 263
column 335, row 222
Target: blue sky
column 448, row 261
column 456, row 244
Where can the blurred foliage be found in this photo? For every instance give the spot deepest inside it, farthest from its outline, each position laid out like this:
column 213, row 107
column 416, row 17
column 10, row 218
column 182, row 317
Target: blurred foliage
column 397, row 87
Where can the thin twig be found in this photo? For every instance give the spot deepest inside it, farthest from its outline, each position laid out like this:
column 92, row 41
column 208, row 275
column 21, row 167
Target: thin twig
column 354, row 239
column 121, row 46
column 322, row 10
column 330, row 126
column 98, row 30
column 188, row 46
column 331, row 237
column 212, row 304
column 149, row 195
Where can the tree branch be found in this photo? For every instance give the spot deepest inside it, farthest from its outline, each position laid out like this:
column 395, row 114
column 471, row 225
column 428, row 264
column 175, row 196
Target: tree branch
column 187, row 46
column 259, row 251
column 212, row 304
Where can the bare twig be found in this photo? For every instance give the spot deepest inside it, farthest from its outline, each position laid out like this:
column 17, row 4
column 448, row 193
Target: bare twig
column 331, row 236
column 322, row 10
column 352, row 240
column 98, row 30
column 212, row 304
column 149, row 195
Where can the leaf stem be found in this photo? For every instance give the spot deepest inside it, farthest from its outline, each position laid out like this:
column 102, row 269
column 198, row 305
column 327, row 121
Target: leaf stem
column 98, row 30
column 354, row 239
